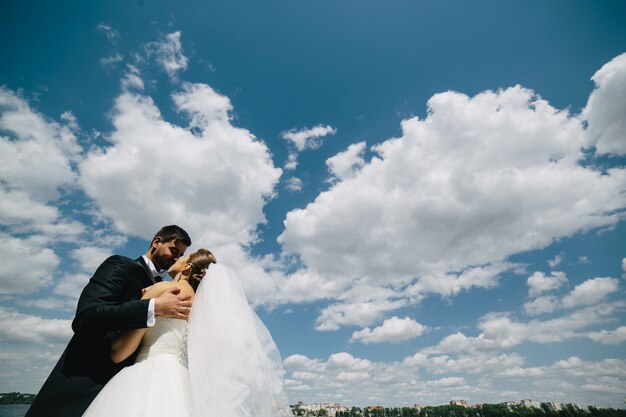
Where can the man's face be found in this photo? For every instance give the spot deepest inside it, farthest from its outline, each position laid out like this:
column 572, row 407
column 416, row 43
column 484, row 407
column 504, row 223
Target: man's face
column 166, row 253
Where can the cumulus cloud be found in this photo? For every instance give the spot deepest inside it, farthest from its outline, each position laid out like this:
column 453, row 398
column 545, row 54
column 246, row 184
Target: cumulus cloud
column 293, row 184
column 210, row 177
column 446, row 382
column 492, row 377
column 35, row 144
column 168, row 52
column 355, row 313
column 606, row 108
column 17, row 327
column 30, row 347
column 346, row 164
column 591, row 291
column 542, row 305
column 539, row 282
column 609, row 337
column 308, row 138
column 132, row 79
column 392, row 330
column 305, row 139
column 480, row 179
column 344, row 360
column 556, row 261
column 215, row 181
column 27, row 265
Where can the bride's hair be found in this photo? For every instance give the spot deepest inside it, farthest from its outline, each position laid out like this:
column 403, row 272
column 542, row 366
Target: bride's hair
column 200, row 261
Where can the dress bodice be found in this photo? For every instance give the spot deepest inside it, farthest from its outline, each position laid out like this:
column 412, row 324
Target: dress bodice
column 167, row 338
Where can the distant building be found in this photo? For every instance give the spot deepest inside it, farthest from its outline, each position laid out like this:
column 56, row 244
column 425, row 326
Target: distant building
column 375, row 407
column 331, row 408
column 530, row 404
column 462, row 403
column 555, row 407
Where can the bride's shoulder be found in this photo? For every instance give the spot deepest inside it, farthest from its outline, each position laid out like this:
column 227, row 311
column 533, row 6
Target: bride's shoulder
column 157, row 289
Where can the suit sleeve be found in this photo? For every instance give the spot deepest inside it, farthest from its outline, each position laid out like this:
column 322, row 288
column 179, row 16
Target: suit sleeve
column 103, row 305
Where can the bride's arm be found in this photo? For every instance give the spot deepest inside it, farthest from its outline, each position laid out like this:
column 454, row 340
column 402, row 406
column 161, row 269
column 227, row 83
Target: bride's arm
column 127, row 342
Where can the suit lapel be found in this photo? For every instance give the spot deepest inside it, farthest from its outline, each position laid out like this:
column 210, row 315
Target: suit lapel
column 143, row 264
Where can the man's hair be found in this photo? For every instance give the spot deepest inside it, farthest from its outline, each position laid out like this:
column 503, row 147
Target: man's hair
column 173, row 232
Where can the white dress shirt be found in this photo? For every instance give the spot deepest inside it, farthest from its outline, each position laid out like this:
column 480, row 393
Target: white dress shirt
column 151, row 320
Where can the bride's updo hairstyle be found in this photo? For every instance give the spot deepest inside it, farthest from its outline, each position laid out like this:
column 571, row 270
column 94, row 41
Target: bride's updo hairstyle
column 200, row 261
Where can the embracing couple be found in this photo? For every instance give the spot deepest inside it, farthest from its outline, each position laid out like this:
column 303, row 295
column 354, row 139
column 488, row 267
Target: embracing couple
column 189, row 347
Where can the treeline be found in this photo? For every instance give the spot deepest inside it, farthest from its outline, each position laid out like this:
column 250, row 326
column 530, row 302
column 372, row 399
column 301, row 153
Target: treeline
column 486, row 410
column 7, row 398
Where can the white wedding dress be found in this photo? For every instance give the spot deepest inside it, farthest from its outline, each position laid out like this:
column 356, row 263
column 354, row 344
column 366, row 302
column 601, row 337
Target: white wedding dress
column 157, row 385
column 234, row 370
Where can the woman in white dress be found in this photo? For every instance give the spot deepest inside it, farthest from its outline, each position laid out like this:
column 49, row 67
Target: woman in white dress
column 234, row 366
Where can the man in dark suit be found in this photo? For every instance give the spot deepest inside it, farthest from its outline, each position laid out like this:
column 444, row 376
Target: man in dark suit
column 110, row 303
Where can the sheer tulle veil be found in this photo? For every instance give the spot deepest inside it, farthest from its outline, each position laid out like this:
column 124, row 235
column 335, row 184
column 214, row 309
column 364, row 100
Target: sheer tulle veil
column 234, row 364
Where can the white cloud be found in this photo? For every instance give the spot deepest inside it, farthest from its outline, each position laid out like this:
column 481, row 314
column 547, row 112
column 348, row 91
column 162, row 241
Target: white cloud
column 542, row 305
column 305, row 139
column 27, row 265
column 30, row 347
column 556, row 261
column 446, row 382
column 132, row 80
column 448, row 284
column 169, row 54
column 609, row 337
column 480, row 179
column 111, row 60
column 346, row 164
column 344, row 360
column 17, row 327
column 538, row 282
column 35, row 144
column 479, row 375
column 294, row 184
column 606, row 107
column 591, row 291
column 211, row 178
column 214, row 183
column 89, row 258
column 111, row 33
column 308, row 138
column 392, row 330
column 352, row 376
column 298, row 361
column 355, row 313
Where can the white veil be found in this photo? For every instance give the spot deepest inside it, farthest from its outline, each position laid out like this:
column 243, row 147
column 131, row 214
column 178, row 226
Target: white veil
column 234, row 365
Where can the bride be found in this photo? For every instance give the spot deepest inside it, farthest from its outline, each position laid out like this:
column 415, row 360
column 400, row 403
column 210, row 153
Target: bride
column 234, row 368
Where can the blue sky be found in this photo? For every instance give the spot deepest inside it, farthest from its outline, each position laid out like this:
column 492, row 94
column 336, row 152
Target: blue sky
column 424, row 200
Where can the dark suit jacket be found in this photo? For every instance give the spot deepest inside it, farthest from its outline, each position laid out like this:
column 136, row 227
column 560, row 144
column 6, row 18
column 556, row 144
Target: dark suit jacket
column 109, row 303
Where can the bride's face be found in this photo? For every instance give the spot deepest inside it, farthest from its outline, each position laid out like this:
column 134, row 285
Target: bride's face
column 178, row 266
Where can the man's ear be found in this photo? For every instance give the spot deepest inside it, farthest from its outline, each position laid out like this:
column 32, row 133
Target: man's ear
column 156, row 241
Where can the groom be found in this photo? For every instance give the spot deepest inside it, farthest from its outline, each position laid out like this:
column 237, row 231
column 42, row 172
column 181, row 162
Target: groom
column 110, row 303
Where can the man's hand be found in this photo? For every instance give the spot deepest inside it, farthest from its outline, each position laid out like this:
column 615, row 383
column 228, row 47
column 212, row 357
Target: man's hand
column 171, row 304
